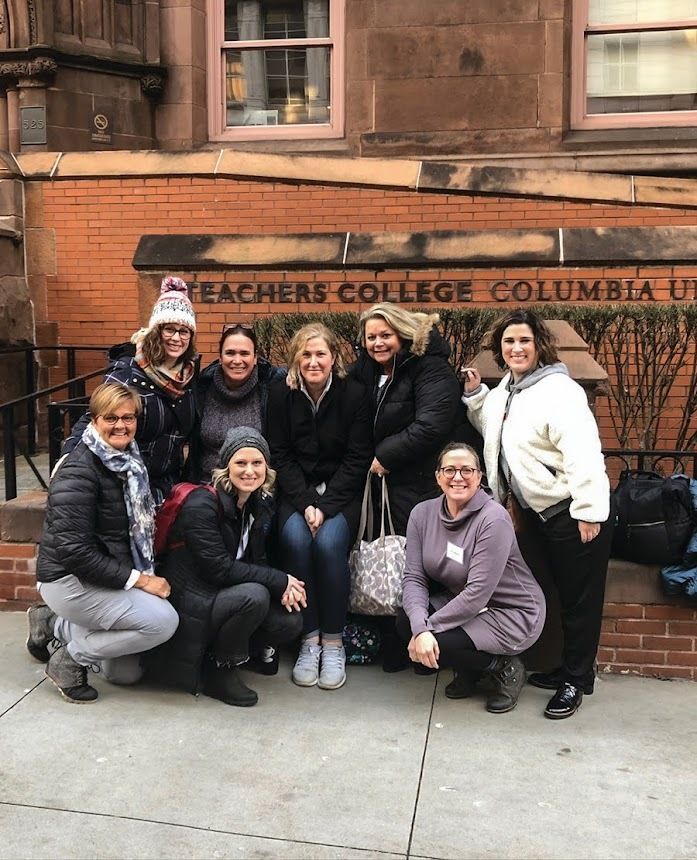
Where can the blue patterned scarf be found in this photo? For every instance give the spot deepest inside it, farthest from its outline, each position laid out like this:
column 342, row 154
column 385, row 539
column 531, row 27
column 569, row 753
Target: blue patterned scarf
column 136, row 493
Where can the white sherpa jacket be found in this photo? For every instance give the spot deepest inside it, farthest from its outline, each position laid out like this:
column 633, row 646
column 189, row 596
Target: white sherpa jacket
column 550, row 439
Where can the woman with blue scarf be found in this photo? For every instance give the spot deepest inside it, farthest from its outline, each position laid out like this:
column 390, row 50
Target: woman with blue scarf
column 103, row 605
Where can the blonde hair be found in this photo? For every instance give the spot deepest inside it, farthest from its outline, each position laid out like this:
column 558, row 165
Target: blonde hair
column 298, row 343
column 109, row 396
column 220, row 478
column 410, row 325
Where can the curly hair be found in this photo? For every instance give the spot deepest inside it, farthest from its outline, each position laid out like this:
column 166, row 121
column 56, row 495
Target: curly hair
column 154, row 351
column 545, row 342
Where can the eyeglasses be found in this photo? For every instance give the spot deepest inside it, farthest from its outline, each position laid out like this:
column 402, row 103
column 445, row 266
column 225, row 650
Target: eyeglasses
column 449, row 472
column 171, row 331
column 112, row 420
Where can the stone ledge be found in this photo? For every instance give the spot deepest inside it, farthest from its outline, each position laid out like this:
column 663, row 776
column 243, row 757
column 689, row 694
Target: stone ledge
column 481, row 248
column 628, row 582
column 22, row 519
column 452, row 177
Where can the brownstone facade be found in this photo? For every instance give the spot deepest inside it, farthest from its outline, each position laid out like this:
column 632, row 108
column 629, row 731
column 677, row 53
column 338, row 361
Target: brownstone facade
column 458, row 79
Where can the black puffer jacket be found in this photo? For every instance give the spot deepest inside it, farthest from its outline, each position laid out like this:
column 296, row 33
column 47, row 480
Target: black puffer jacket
column 164, row 426
column 417, row 413
column 86, row 527
column 205, row 538
column 267, row 374
column 333, row 446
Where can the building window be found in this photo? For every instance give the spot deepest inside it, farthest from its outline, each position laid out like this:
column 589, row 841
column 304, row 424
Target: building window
column 634, row 63
column 276, row 69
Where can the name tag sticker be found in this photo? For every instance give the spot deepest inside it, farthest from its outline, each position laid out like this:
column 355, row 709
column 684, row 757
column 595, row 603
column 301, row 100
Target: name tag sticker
column 455, row 553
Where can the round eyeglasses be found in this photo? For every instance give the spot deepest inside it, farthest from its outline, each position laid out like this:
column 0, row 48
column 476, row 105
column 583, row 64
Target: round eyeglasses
column 449, row 472
column 170, row 331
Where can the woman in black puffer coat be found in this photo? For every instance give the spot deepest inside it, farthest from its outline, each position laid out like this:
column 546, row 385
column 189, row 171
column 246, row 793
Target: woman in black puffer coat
column 103, row 604
column 416, row 410
column 222, row 587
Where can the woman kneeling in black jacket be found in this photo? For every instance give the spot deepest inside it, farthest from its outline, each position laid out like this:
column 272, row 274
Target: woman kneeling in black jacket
column 221, row 584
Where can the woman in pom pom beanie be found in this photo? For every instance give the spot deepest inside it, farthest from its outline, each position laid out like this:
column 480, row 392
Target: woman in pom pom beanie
column 158, row 363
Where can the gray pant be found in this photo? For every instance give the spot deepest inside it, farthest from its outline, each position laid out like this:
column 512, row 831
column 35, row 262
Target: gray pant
column 108, row 627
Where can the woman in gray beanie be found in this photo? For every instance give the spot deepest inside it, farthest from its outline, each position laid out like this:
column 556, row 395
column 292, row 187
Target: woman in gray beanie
column 222, row 587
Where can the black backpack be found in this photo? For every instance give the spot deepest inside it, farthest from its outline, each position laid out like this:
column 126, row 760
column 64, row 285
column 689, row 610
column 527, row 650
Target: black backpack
column 654, row 517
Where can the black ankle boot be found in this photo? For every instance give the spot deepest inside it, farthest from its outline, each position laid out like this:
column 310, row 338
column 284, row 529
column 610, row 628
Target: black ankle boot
column 509, row 676
column 461, row 686
column 224, row 683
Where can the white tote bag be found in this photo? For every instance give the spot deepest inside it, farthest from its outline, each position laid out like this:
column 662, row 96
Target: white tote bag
column 376, row 565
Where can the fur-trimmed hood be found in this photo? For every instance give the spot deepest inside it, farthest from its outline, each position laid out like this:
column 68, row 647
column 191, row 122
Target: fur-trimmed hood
column 428, row 339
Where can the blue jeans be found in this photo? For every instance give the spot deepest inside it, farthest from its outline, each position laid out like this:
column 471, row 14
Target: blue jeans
column 322, row 564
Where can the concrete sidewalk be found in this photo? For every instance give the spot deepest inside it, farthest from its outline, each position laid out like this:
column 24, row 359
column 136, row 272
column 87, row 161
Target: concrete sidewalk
column 385, row 767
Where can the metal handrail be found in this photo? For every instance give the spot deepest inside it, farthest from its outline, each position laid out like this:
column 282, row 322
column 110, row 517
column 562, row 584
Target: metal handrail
column 30, row 379
column 75, row 386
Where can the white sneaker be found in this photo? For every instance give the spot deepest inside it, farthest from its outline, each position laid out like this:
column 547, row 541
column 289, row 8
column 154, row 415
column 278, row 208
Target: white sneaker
column 333, row 672
column 306, row 669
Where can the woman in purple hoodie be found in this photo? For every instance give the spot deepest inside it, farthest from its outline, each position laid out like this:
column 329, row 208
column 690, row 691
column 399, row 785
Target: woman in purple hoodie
column 470, row 602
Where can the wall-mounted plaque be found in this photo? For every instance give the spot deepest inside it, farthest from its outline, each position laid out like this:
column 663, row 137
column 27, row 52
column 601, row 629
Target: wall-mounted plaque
column 32, row 124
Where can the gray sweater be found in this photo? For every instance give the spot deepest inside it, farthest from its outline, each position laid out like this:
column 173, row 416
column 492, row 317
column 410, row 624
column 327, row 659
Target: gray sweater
column 486, row 587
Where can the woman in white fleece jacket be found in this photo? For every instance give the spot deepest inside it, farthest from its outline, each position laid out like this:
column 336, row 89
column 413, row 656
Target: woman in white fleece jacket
column 541, row 445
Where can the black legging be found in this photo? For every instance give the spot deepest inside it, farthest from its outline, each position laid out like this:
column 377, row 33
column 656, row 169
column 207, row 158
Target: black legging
column 457, row 650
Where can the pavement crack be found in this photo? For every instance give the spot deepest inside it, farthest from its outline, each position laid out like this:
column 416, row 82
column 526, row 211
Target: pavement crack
column 21, row 698
column 421, row 769
column 373, row 852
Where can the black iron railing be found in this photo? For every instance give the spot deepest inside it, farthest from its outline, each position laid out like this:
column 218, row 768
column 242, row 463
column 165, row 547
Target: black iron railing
column 27, row 404
column 668, row 462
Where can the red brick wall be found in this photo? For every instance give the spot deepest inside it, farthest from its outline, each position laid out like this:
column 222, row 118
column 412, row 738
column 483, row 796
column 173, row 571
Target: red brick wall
column 17, row 575
column 97, row 223
column 655, row 640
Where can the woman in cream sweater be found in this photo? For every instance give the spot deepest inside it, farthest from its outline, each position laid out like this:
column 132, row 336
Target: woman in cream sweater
column 542, row 454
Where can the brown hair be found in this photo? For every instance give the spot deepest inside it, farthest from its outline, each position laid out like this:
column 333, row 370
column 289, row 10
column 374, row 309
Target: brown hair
column 459, row 446
column 237, row 328
column 300, row 339
column 545, row 342
column 154, row 351
column 109, row 396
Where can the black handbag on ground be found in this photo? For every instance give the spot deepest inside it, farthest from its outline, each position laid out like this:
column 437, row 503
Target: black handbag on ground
column 654, row 517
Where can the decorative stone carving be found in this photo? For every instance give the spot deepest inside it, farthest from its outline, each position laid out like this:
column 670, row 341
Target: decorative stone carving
column 153, row 85
column 31, row 8
column 42, row 69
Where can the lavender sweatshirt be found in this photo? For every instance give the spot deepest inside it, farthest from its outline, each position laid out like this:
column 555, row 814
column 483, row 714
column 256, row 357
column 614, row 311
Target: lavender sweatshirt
column 488, row 590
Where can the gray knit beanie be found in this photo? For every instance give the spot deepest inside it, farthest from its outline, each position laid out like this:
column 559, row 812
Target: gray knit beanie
column 242, row 437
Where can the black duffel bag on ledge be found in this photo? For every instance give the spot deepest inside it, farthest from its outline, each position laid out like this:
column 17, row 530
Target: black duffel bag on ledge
column 655, row 518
